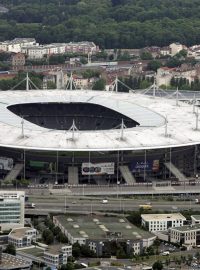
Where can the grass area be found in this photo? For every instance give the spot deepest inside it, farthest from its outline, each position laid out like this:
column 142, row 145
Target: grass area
column 37, row 252
column 172, row 256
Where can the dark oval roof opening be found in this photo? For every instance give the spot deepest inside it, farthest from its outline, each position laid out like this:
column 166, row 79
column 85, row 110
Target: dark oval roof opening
column 60, row 116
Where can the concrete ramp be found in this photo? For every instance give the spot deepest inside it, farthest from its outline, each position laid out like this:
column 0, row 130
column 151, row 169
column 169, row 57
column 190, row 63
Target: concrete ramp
column 175, row 171
column 127, row 175
column 73, row 175
column 12, row 175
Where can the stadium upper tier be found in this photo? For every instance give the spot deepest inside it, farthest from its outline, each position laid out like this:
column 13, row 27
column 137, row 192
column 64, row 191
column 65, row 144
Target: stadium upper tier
column 42, row 120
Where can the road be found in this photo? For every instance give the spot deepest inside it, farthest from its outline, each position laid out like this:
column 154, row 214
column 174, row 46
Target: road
column 85, row 205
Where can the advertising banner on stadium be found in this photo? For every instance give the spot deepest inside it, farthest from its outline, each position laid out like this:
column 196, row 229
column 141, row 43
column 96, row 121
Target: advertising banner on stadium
column 98, row 168
column 148, row 166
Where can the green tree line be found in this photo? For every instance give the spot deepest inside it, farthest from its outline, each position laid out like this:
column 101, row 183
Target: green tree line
column 109, row 23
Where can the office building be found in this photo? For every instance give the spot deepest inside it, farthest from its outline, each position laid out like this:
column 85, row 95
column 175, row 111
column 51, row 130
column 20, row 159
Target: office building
column 100, row 231
column 162, row 222
column 57, row 255
column 188, row 235
column 22, row 237
column 11, row 209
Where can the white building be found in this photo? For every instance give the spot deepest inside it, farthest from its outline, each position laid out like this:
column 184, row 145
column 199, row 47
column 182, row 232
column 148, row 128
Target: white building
column 164, row 76
column 176, row 48
column 162, row 222
column 16, row 44
column 22, row 237
column 38, row 52
column 195, row 219
column 57, row 255
column 56, row 48
column 186, row 235
column 11, row 209
column 83, row 47
column 35, row 52
column 165, row 51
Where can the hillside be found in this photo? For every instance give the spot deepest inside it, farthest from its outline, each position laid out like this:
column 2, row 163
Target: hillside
column 109, row 23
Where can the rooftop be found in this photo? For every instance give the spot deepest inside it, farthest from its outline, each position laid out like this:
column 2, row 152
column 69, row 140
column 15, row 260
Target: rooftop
column 55, row 249
column 186, row 228
column 11, row 194
column 20, row 232
column 12, row 262
column 196, row 217
column 101, row 227
column 149, row 112
column 157, row 217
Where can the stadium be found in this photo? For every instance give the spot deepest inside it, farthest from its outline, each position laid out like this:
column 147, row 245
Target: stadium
column 97, row 137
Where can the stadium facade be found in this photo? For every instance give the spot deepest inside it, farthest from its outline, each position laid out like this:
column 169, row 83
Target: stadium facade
column 98, row 137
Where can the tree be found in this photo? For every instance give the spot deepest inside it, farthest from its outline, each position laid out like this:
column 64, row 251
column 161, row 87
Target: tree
column 10, row 249
column 60, row 237
column 76, row 250
column 146, row 56
column 157, row 265
column 99, row 85
column 154, row 65
column 47, row 236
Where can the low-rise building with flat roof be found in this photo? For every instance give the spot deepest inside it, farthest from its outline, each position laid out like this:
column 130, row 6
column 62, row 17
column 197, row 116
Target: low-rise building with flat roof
column 57, row 255
column 188, row 235
column 10, row 262
column 162, row 222
column 22, row 237
column 97, row 232
column 195, row 219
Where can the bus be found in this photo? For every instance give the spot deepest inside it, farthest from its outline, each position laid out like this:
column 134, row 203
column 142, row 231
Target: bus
column 145, row 206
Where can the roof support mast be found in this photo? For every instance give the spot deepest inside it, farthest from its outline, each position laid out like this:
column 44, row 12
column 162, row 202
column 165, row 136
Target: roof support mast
column 22, row 125
column 197, row 119
column 177, row 93
column 27, row 82
column 166, row 127
column 194, row 103
column 122, row 126
column 73, row 128
column 154, row 86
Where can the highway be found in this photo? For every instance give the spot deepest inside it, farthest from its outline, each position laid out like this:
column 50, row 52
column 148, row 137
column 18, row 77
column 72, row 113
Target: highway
column 64, row 204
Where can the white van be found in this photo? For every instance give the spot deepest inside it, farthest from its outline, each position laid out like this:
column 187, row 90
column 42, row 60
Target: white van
column 105, row 201
column 165, row 253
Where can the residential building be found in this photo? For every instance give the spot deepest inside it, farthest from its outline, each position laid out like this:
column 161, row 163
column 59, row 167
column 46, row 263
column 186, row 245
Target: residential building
column 11, row 209
column 153, row 50
column 100, row 231
column 165, row 51
column 56, row 255
column 38, row 52
column 80, row 82
column 56, row 48
column 83, row 47
column 162, row 222
column 164, row 76
column 187, row 72
column 22, row 237
column 18, row 59
column 194, row 52
column 176, row 48
column 35, row 52
column 186, row 235
column 16, row 44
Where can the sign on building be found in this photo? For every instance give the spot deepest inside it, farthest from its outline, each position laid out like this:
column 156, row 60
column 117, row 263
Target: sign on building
column 98, row 168
column 148, row 166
